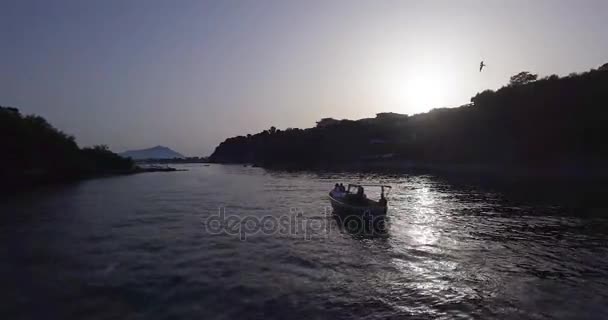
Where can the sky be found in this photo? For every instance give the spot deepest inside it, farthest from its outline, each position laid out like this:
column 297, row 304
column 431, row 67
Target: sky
column 188, row 74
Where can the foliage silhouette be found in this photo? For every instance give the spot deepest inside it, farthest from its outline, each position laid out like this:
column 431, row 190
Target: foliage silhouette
column 558, row 122
column 521, row 78
column 35, row 152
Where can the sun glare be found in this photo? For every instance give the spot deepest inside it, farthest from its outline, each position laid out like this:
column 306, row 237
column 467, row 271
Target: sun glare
column 417, row 89
column 424, row 92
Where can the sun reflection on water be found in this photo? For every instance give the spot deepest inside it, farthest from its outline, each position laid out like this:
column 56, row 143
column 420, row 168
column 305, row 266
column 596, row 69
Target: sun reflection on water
column 423, row 249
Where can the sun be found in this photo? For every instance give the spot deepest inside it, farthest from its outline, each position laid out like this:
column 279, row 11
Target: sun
column 425, row 88
column 416, row 88
column 425, row 92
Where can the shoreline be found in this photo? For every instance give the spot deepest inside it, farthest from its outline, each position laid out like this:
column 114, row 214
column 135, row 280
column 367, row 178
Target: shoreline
column 15, row 185
column 541, row 172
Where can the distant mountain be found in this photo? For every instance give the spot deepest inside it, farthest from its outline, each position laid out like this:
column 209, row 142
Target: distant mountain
column 158, row 152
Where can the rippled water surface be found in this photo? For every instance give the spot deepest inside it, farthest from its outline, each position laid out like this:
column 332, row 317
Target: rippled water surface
column 140, row 247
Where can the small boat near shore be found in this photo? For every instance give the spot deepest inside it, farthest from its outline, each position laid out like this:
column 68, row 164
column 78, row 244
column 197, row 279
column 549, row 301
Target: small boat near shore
column 352, row 200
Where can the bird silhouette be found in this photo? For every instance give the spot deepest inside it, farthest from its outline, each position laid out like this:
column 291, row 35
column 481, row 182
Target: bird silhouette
column 481, row 65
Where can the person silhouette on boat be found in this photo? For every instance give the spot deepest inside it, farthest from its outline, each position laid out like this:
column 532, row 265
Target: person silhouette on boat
column 338, row 190
column 360, row 195
column 382, row 200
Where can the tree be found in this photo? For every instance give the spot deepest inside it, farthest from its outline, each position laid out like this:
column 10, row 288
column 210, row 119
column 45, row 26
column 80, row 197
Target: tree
column 604, row 67
column 325, row 122
column 523, row 77
column 101, row 148
column 482, row 97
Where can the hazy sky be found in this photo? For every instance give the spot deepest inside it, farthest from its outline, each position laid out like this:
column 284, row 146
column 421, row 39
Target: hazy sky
column 188, row 74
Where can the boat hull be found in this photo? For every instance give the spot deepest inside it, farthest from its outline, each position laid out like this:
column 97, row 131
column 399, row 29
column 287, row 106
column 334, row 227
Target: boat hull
column 341, row 207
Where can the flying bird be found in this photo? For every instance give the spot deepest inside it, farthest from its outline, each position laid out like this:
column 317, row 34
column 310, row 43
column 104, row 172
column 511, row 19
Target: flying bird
column 481, row 65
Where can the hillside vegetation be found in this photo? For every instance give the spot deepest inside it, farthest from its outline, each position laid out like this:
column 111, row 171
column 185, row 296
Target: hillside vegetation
column 34, row 152
column 553, row 121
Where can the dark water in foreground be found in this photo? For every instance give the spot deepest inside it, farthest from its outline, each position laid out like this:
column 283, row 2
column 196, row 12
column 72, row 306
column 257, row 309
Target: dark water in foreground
column 136, row 247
